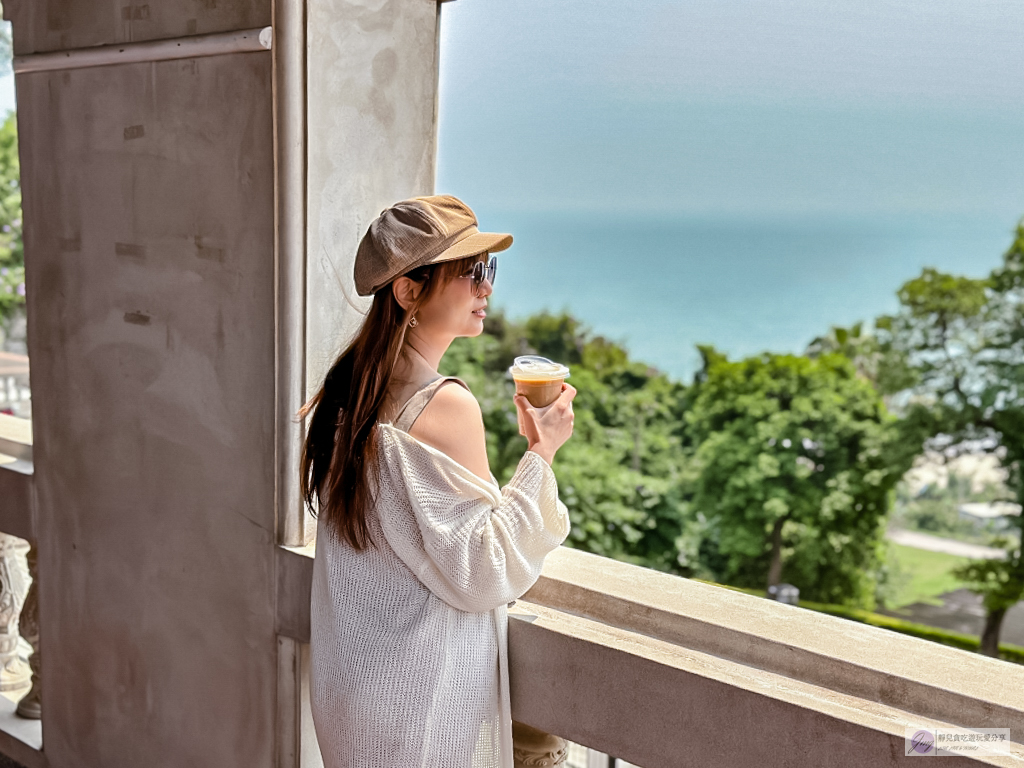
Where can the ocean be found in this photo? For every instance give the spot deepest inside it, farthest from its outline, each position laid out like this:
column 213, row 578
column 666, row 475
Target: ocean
column 662, row 284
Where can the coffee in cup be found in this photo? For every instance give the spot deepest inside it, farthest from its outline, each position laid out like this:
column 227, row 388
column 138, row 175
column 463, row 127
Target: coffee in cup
column 539, row 380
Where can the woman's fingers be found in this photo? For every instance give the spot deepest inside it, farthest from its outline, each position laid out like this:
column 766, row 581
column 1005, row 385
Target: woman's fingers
column 551, row 425
column 562, row 406
column 528, row 417
column 523, row 403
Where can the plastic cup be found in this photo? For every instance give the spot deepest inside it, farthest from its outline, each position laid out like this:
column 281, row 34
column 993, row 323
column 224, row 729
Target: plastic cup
column 539, row 380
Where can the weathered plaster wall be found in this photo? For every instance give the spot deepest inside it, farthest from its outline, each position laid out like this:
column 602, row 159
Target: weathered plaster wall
column 372, row 96
column 148, row 199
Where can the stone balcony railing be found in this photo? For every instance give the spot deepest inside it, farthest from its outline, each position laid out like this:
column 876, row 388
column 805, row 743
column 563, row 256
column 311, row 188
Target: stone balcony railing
column 665, row 672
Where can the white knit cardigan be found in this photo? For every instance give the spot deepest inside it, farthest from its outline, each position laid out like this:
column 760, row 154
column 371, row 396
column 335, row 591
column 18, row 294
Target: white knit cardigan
column 409, row 665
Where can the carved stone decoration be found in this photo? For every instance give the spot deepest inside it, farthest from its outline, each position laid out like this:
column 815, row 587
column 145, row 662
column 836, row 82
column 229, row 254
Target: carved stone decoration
column 31, row 706
column 14, row 673
column 531, row 747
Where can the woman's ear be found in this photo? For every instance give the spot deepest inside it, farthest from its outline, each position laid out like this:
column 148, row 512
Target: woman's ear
column 406, row 291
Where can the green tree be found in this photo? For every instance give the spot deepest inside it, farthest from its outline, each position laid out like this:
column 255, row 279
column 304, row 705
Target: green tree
column 1000, row 583
column 854, row 343
column 795, row 460
column 961, row 343
column 12, row 254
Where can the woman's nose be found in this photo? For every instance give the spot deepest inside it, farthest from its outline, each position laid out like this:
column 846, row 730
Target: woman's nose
column 486, row 289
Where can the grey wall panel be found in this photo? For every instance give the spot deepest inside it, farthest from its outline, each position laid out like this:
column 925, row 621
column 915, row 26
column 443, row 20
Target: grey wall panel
column 148, row 199
column 56, row 25
column 372, row 94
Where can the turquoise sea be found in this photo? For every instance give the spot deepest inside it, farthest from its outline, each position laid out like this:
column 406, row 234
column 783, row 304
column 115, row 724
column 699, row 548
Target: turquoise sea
column 662, row 284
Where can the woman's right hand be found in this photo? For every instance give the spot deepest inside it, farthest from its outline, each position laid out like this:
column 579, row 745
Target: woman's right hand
column 549, row 427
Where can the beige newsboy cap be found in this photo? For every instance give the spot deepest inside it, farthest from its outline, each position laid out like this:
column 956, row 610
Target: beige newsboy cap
column 422, row 230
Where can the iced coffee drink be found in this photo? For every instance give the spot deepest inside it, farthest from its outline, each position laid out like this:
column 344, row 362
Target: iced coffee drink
column 538, row 379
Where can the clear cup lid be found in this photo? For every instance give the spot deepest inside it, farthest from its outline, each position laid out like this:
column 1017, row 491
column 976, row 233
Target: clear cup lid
column 541, row 367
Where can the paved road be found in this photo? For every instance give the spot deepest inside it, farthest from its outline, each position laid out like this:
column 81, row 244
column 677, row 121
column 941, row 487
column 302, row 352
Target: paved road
column 949, row 546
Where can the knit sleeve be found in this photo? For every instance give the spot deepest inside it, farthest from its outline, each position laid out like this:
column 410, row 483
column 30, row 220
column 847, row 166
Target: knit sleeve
column 472, row 544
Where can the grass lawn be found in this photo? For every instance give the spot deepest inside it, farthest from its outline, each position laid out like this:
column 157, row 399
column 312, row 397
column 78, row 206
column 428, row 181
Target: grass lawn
column 923, row 575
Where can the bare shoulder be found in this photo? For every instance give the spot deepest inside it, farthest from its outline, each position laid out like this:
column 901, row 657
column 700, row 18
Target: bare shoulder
column 454, row 399
column 453, row 423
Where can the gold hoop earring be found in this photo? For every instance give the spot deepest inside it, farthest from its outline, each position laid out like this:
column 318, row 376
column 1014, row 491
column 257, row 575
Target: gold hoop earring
column 413, row 322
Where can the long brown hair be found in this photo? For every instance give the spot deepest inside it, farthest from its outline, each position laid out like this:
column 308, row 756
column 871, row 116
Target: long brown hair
column 340, row 452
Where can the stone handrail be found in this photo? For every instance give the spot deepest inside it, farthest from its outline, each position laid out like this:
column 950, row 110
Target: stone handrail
column 664, row 671
column 840, row 654
column 651, row 668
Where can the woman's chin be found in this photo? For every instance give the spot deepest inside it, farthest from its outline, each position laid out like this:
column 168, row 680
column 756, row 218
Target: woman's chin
column 475, row 328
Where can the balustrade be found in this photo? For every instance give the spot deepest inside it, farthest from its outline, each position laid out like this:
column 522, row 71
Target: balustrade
column 19, row 607
column 535, row 749
column 30, row 706
column 14, row 673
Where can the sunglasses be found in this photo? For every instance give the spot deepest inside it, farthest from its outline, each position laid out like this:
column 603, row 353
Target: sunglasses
column 483, row 270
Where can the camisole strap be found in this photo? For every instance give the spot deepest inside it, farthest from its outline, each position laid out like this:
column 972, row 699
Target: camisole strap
column 414, row 405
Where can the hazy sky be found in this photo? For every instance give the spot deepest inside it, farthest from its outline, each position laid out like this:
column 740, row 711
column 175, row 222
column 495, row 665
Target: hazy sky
column 562, row 121
column 776, row 106
column 719, row 107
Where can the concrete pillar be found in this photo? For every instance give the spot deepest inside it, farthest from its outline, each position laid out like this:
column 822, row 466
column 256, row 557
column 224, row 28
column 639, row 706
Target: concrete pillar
column 148, row 190
column 190, row 229
column 373, row 69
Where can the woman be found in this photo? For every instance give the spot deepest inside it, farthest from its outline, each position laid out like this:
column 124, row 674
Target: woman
column 418, row 550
